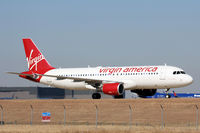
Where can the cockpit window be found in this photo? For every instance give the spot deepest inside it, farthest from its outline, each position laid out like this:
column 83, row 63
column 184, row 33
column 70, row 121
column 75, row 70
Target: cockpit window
column 182, row 72
column 178, row 72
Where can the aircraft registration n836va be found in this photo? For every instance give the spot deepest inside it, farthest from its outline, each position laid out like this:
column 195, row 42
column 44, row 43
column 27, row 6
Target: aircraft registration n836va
column 143, row 80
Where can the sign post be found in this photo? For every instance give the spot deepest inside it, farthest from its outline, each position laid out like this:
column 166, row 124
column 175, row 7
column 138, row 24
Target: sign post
column 197, row 117
column 64, row 115
column 96, row 115
column 130, row 116
column 1, row 114
column 162, row 119
column 31, row 122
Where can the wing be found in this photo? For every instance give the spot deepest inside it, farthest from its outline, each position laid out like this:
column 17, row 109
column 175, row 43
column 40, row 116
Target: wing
column 93, row 82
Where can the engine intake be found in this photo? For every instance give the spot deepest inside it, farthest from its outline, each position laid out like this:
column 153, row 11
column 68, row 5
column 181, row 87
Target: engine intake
column 114, row 89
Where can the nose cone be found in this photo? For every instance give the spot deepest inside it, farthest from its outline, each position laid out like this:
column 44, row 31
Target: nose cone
column 188, row 80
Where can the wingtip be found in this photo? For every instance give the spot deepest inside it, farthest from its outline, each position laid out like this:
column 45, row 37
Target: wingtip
column 12, row 73
column 9, row 72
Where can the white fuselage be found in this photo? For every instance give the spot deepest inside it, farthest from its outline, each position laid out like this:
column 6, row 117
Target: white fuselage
column 132, row 77
column 143, row 80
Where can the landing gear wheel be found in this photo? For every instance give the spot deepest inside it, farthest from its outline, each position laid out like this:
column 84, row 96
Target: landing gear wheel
column 119, row 97
column 96, row 96
column 168, row 96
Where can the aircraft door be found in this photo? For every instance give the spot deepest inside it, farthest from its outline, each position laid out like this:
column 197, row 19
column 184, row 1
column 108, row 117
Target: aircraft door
column 163, row 73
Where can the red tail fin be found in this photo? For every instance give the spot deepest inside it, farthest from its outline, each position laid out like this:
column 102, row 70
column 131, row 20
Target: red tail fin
column 36, row 61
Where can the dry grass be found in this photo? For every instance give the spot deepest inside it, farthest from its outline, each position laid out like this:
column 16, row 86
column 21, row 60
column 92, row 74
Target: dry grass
column 90, row 129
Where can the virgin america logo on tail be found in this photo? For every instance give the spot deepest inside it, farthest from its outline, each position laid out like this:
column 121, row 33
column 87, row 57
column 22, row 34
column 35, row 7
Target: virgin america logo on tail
column 34, row 61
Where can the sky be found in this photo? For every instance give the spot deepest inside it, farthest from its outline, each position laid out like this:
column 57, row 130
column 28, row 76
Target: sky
column 101, row 33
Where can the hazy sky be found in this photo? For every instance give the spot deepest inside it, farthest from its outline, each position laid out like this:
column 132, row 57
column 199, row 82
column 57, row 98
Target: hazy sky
column 105, row 32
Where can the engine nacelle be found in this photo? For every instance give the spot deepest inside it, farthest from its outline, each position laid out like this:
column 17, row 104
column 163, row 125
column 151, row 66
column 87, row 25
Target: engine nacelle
column 114, row 89
column 145, row 92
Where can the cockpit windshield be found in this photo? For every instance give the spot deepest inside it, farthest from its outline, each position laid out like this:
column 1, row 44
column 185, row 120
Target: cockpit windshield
column 178, row 72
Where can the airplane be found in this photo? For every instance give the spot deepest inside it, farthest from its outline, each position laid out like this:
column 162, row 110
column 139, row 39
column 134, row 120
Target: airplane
column 143, row 80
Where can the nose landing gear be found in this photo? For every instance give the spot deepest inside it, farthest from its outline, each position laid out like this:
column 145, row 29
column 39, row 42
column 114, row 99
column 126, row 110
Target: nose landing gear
column 167, row 95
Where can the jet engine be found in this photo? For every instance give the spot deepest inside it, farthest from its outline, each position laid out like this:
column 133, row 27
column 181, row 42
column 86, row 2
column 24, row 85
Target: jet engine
column 114, row 89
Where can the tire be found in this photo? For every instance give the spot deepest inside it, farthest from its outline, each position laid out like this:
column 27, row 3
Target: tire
column 168, row 96
column 119, row 97
column 96, row 96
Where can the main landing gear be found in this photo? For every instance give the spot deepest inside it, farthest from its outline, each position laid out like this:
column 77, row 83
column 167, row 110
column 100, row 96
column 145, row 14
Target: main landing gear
column 120, row 96
column 167, row 95
column 96, row 95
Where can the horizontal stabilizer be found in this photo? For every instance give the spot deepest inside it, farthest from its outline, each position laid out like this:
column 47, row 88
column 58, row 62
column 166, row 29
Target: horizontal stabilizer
column 34, row 76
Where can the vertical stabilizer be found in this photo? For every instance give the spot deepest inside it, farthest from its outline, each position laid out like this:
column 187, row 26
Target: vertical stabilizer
column 35, row 59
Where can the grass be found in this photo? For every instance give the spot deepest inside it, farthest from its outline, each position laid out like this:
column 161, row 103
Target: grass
column 91, row 129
